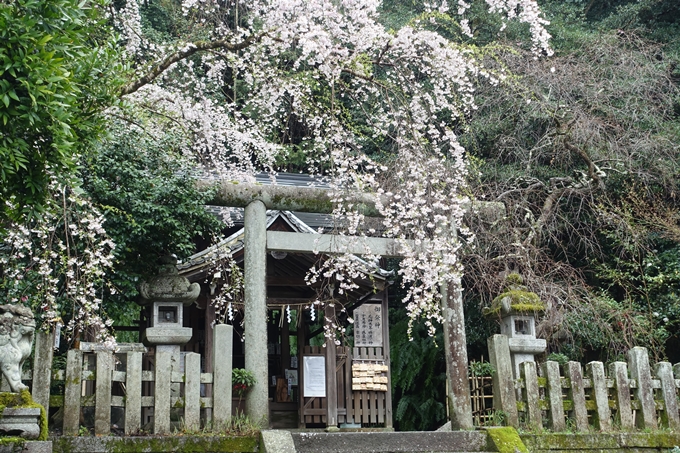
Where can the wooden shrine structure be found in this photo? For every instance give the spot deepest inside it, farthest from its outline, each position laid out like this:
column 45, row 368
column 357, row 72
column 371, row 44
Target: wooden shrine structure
column 257, row 243
column 306, row 383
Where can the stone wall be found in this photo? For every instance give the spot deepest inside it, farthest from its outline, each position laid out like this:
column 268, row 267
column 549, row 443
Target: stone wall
column 661, row 441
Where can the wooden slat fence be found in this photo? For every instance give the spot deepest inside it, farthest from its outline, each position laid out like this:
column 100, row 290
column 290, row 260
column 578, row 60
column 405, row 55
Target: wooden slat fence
column 369, row 407
column 343, row 373
column 627, row 396
column 362, row 407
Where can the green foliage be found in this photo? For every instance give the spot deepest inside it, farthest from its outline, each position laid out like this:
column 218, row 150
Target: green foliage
column 242, row 380
column 57, row 71
column 149, row 199
column 601, row 249
column 558, row 357
column 481, row 368
column 418, row 376
column 478, row 329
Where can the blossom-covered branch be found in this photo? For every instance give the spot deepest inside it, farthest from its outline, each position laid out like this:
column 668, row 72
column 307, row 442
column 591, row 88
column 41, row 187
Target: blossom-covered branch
column 187, row 51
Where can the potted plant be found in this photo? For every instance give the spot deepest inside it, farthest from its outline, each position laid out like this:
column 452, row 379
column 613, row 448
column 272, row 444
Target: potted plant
column 242, row 380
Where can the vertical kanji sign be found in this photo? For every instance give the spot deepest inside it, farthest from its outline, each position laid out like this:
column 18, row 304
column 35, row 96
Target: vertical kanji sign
column 368, row 326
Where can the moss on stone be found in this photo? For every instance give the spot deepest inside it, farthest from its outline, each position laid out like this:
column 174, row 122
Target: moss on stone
column 506, row 440
column 13, row 440
column 517, row 297
column 24, row 399
column 613, row 442
column 514, row 279
column 161, row 444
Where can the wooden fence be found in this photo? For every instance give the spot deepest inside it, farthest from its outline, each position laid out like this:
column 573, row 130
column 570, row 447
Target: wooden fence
column 626, row 396
column 481, row 397
column 367, row 408
column 149, row 389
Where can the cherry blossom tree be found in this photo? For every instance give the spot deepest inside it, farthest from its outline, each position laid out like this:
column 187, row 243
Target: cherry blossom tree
column 257, row 80
column 250, row 82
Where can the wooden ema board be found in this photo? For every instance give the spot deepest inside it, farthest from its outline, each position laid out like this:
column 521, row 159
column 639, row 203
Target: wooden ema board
column 368, row 406
column 369, row 376
column 313, row 409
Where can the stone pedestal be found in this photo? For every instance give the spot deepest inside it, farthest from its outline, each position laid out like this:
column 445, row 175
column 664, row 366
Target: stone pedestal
column 525, row 350
column 21, row 422
column 167, row 335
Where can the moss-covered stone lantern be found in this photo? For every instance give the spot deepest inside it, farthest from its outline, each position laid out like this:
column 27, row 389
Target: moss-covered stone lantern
column 517, row 308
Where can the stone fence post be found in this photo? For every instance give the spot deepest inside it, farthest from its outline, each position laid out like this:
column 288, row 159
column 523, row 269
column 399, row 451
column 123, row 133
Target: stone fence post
column 223, row 338
column 504, row 398
column 42, row 368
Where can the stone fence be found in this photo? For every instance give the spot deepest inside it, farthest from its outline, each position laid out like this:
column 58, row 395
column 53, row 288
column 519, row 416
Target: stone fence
column 151, row 391
column 627, row 396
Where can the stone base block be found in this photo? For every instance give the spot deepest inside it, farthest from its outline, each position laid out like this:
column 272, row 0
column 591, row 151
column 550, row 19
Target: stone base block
column 21, row 422
column 27, row 447
column 167, row 335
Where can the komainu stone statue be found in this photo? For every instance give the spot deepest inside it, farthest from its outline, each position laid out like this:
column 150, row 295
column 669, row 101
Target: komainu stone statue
column 17, row 328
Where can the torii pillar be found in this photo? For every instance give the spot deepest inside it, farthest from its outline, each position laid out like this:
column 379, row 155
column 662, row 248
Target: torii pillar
column 255, row 318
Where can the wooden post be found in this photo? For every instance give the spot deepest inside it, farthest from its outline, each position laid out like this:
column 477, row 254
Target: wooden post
column 133, row 392
column 531, row 394
column 331, row 378
column 302, row 342
column 386, row 355
column 223, row 339
column 664, row 373
column 638, row 358
column 551, row 371
column 285, row 344
column 192, row 392
column 599, row 394
column 577, row 395
column 504, row 398
column 42, row 368
column 72, row 392
column 102, row 409
column 618, row 371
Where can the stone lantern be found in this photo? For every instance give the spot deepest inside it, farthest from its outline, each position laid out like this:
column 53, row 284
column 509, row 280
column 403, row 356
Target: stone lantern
column 517, row 309
column 168, row 293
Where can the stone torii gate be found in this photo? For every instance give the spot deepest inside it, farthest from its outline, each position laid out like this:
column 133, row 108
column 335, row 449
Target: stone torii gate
column 256, row 199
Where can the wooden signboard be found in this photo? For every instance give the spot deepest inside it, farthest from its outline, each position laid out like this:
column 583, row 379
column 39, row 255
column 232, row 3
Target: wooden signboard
column 368, row 327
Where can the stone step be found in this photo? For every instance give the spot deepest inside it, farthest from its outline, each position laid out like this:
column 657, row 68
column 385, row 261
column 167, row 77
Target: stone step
column 375, row 442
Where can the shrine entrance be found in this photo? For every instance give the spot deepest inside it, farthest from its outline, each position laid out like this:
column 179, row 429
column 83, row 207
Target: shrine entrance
column 355, row 391
column 310, row 380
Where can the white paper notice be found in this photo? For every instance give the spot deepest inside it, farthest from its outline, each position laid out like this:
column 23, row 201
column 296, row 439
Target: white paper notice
column 314, row 369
